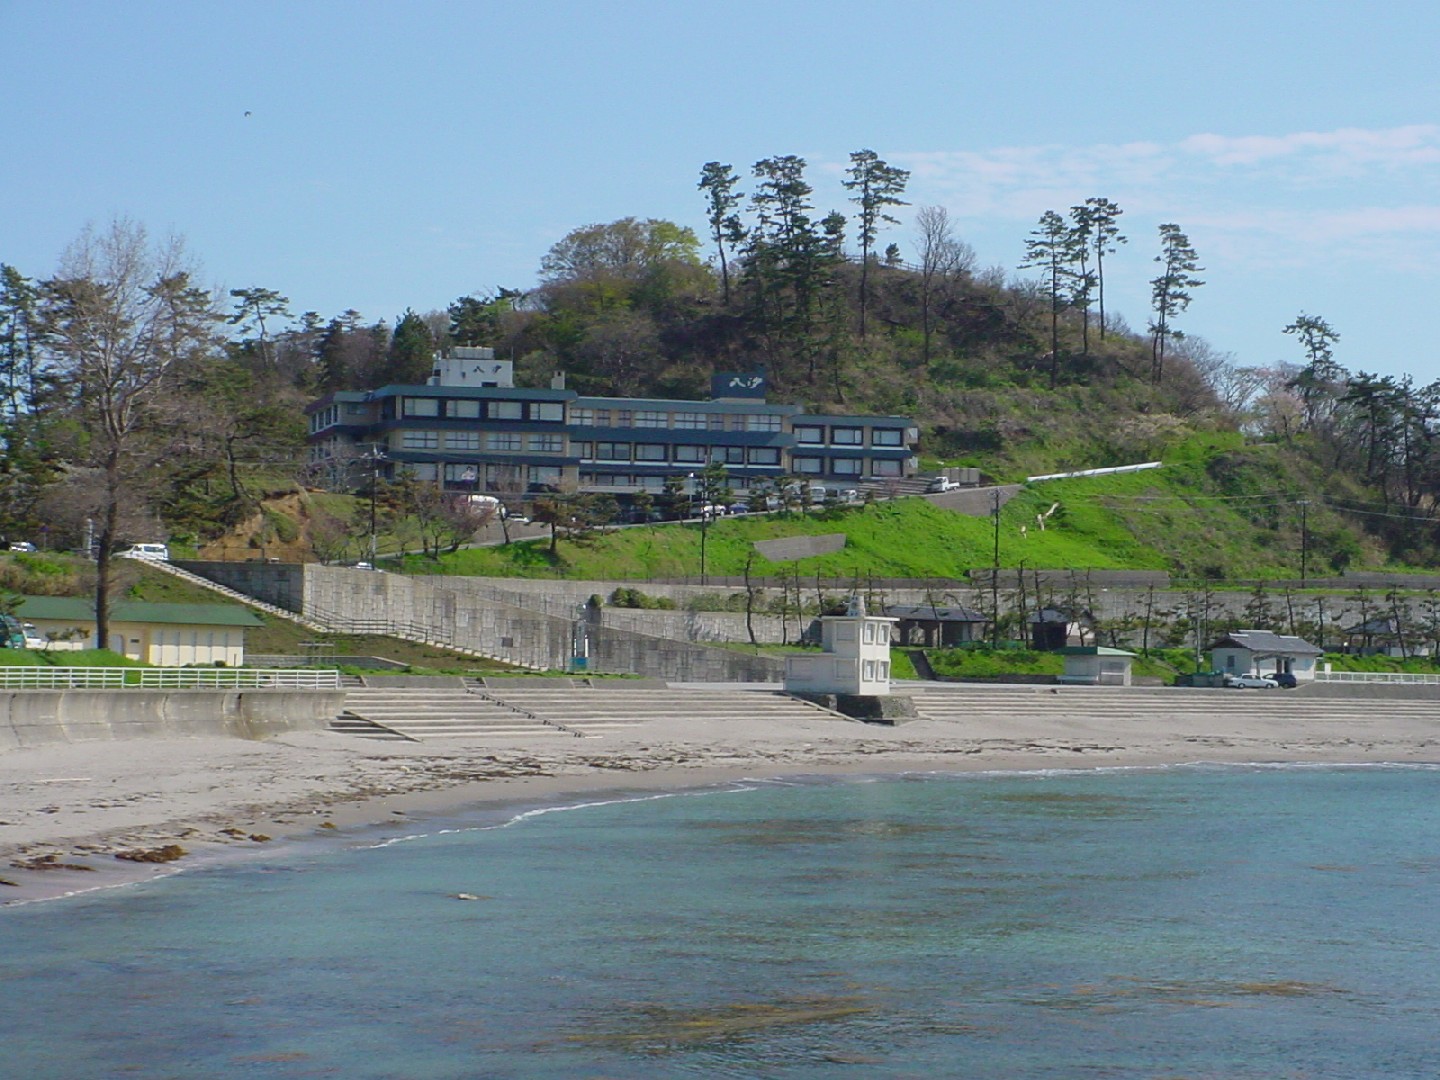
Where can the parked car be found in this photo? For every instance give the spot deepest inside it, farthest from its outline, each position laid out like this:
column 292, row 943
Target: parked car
column 21, row 545
column 1285, row 680
column 152, row 552
column 1250, row 682
column 940, row 484
column 738, row 508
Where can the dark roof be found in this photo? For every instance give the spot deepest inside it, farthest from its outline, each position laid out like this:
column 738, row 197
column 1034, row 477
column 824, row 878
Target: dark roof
column 934, row 613
column 1266, row 641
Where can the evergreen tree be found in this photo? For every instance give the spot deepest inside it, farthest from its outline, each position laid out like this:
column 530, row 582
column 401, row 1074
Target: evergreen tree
column 721, row 199
column 1170, row 292
column 877, row 185
column 1052, row 249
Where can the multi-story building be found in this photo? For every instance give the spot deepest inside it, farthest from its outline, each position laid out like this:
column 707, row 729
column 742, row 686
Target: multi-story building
column 471, row 429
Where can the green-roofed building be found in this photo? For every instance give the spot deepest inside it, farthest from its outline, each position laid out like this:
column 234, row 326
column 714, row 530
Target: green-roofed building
column 168, row 635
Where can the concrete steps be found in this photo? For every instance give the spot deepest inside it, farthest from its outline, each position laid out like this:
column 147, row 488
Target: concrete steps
column 421, row 714
column 350, row 724
column 593, row 711
column 237, row 596
column 965, row 702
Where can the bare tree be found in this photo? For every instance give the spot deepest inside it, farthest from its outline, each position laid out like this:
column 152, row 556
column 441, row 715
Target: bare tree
column 119, row 319
column 942, row 257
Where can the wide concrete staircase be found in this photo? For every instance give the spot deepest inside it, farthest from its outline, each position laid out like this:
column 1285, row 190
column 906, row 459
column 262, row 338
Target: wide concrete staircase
column 239, row 597
column 417, row 714
column 594, row 711
column 969, row 702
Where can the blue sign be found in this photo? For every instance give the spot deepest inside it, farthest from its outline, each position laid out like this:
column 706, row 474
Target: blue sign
column 734, row 384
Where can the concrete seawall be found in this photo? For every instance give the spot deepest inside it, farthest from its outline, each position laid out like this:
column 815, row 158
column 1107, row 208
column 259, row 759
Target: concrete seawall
column 39, row 717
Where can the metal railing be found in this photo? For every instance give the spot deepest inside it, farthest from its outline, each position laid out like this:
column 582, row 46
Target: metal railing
column 103, row 678
column 1400, row 677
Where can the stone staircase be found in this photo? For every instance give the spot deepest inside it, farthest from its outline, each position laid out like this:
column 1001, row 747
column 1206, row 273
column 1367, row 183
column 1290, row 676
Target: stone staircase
column 418, row 714
column 239, row 597
column 967, row 702
column 593, row 711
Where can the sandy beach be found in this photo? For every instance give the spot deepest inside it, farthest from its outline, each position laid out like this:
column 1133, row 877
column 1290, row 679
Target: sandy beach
column 68, row 810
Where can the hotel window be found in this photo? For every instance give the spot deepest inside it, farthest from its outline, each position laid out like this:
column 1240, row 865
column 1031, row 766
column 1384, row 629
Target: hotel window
column 885, row 436
column 623, row 418
column 693, row 420
column 885, row 468
column 547, row 444
column 847, row 436
column 612, row 451
column 464, row 410
column 805, row 465
column 651, row 418
column 649, row 451
column 583, row 450
column 811, row 436
column 690, row 455
column 422, row 406
column 547, row 410
column 730, row 455
column 717, row 422
column 502, row 440
column 504, row 410
column 544, row 474
column 462, row 440
column 651, row 483
column 847, row 466
column 602, row 417
column 764, row 455
column 762, row 422
column 583, row 417
column 426, row 470
column 462, row 474
column 419, row 440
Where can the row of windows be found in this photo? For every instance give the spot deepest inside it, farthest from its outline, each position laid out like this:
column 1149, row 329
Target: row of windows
column 660, row 418
column 470, row 409
column 814, row 435
column 511, row 478
column 843, row 466
column 511, row 441
column 693, row 454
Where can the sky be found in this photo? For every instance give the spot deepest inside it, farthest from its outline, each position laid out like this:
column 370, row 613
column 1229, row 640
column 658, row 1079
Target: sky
column 385, row 156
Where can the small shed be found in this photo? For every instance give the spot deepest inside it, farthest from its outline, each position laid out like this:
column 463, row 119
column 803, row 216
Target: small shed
column 1384, row 636
column 1264, row 652
column 1096, row 665
column 936, row 626
column 170, row 635
column 855, row 656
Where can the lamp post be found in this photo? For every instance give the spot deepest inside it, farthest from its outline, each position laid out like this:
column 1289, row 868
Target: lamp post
column 375, row 456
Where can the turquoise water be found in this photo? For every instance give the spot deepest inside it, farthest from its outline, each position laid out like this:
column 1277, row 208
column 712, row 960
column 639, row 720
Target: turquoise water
column 1197, row 922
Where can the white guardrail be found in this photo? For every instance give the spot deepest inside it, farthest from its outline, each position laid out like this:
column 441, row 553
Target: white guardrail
column 1402, row 677
column 119, row 678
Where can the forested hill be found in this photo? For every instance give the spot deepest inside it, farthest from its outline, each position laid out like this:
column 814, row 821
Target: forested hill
column 1016, row 371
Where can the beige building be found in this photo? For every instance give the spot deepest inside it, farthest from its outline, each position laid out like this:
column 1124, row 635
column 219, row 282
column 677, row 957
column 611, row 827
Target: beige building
column 854, row 657
column 167, row 635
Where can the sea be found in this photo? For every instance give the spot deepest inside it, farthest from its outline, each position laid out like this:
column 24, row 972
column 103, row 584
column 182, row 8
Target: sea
column 1195, row 922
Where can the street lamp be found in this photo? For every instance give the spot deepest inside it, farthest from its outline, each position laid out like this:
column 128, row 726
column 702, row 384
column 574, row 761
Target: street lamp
column 375, row 455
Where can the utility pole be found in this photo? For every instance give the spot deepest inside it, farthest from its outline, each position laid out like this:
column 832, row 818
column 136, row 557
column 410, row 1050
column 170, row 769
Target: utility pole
column 995, row 577
column 1304, row 542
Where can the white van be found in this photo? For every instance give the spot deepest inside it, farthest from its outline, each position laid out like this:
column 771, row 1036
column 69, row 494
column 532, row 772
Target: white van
column 152, row 552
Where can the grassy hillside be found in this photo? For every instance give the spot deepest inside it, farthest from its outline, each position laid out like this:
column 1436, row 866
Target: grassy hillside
column 1175, row 519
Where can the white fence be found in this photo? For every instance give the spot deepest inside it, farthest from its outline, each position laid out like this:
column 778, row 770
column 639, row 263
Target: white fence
column 103, row 678
column 1389, row 677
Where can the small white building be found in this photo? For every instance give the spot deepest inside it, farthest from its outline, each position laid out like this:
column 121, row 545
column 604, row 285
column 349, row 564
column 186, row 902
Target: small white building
column 1096, row 665
column 1263, row 652
column 855, row 656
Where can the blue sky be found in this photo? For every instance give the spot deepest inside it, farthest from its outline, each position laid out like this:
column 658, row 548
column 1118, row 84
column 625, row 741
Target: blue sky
column 404, row 154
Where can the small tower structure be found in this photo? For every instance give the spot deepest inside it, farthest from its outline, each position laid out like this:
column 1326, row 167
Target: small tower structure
column 855, row 656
